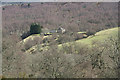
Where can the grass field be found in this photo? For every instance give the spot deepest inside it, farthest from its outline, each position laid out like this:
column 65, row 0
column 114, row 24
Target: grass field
column 99, row 36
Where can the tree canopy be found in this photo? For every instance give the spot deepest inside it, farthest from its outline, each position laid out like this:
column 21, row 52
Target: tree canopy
column 35, row 28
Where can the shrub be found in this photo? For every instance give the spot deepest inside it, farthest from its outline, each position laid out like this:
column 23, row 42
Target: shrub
column 3, row 8
column 29, row 5
column 84, row 6
column 35, row 28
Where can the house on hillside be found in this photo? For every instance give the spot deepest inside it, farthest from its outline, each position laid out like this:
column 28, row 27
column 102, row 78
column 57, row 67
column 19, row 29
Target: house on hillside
column 50, row 32
column 61, row 30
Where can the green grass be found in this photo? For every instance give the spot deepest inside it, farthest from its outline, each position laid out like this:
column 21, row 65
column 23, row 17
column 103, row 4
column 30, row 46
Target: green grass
column 99, row 36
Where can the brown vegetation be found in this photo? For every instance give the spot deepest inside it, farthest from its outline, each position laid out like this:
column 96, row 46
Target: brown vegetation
column 74, row 60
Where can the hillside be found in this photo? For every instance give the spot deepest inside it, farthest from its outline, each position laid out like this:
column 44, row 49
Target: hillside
column 89, row 47
column 74, row 58
column 71, row 16
column 99, row 37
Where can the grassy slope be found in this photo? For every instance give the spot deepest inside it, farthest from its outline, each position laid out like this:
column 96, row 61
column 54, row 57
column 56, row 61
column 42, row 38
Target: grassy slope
column 99, row 36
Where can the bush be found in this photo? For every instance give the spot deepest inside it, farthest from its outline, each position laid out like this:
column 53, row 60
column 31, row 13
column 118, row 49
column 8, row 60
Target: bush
column 29, row 4
column 35, row 28
column 3, row 8
column 84, row 6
